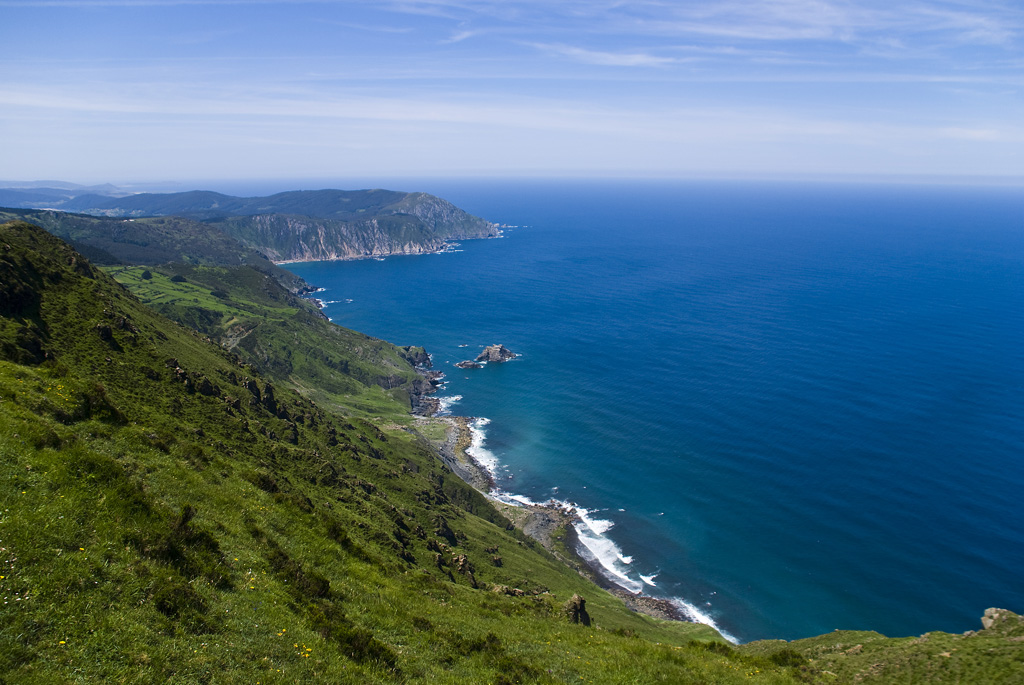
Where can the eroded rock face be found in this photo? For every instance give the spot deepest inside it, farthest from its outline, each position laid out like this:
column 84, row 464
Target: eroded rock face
column 417, row 356
column 496, row 353
column 1004, row 622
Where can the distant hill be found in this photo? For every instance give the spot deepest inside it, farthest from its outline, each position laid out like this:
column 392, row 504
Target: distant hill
column 152, row 241
column 300, row 225
column 284, row 337
column 48, row 194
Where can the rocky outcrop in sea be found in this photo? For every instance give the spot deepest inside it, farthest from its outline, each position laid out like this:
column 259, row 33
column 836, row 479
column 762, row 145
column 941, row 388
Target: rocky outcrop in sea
column 496, row 353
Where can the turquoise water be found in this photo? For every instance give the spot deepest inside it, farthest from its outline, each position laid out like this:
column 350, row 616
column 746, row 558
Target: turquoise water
column 793, row 408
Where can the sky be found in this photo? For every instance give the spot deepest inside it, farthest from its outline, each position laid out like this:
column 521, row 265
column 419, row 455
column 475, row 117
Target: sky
column 121, row 91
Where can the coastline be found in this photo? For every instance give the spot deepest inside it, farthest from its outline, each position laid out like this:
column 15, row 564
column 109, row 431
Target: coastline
column 448, row 246
column 551, row 523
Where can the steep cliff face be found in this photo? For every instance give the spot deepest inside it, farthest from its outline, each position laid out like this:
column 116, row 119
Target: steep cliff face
column 444, row 218
column 417, row 223
column 297, row 238
column 298, row 225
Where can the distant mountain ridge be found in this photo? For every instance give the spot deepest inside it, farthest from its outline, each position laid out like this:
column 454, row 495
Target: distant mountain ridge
column 301, row 225
column 438, row 214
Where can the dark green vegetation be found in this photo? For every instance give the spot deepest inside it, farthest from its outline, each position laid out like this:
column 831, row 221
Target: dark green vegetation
column 171, row 513
column 296, row 225
column 152, row 241
column 992, row 655
column 284, row 337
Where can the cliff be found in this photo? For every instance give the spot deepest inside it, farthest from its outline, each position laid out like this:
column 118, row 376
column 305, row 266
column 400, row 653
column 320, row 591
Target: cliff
column 288, row 238
column 290, row 226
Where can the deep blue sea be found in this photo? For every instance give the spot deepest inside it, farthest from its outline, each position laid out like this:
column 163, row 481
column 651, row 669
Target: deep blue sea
column 794, row 407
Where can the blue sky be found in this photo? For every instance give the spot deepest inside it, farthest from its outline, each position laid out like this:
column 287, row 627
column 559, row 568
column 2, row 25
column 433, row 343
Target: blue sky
column 147, row 90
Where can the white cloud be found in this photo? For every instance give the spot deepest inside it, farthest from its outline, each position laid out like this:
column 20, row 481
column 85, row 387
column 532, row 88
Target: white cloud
column 603, row 84
column 461, row 36
column 974, row 134
column 607, row 59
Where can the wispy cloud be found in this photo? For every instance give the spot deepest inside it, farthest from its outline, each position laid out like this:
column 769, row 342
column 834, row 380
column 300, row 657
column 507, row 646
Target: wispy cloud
column 638, row 82
column 461, row 36
column 607, row 59
column 285, row 105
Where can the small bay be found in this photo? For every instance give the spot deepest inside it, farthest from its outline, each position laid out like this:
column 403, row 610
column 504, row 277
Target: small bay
column 796, row 407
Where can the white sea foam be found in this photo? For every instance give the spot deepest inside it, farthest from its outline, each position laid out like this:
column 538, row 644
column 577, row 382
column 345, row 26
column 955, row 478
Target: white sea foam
column 476, row 449
column 509, row 498
column 598, row 526
column 698, row 616
column 599, row 548
column 595, row 546
column 445, row 404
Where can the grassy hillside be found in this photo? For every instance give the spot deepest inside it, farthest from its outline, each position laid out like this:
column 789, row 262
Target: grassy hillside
column 151, row 241
column 992, row 654
column 284, row 337
column 168, row 513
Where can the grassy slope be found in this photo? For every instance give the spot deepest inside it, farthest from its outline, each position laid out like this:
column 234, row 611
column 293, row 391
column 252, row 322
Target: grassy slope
column 166, row 515
column 992, row 655
column 151, row 241
column 283, row 336
column 161, row 521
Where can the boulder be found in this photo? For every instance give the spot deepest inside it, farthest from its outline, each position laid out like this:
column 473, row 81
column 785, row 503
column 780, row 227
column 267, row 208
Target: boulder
column 576, row 610
column 496, row 353
column 469, row 364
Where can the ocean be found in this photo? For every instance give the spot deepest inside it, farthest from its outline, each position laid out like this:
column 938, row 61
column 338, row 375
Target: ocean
column 789, row 407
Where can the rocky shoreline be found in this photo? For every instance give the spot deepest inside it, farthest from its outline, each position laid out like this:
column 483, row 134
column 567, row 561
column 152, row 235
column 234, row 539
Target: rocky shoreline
column 550, row 524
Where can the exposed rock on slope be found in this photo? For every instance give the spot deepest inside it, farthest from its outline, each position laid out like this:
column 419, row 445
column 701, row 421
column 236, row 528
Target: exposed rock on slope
column 302, row 225
column 286, row 238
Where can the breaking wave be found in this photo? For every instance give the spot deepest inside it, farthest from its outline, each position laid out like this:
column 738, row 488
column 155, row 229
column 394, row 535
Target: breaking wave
column 595, row 546
column 444, row 404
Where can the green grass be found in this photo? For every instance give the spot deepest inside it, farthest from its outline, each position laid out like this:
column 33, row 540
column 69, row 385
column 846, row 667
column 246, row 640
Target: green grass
column 151, row 241
column 282, row 336
column 168, row 513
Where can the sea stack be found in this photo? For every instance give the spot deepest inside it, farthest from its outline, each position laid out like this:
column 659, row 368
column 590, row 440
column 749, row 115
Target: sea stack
column 496, row 353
